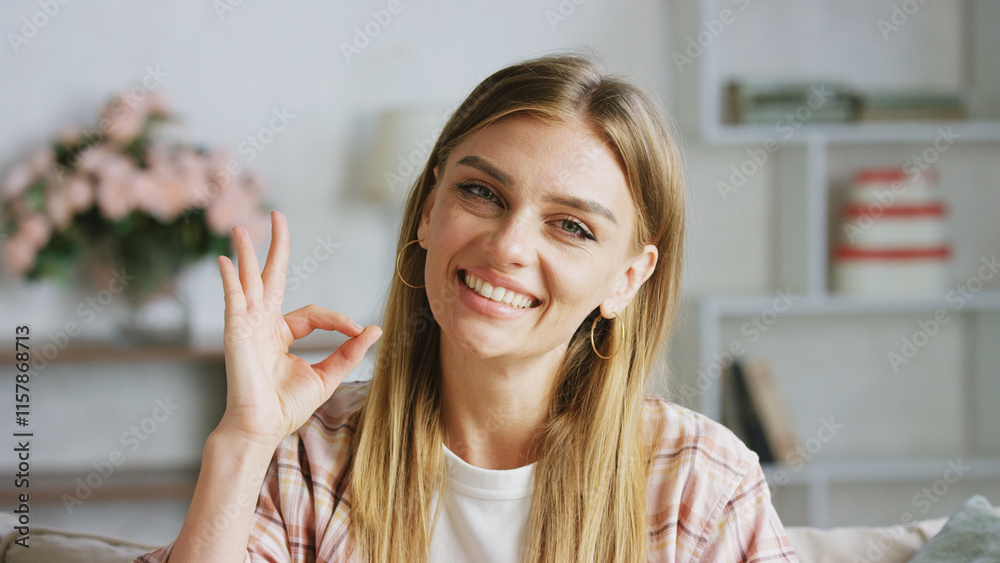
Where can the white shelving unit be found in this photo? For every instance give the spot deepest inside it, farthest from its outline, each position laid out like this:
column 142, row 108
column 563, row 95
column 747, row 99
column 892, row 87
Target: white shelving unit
column 808, row 167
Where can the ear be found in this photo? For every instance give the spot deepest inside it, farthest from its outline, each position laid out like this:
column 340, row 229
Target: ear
column 425, row 214
column 629, row 282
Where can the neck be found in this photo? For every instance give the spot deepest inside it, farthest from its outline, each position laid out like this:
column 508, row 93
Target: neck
column 492, row 410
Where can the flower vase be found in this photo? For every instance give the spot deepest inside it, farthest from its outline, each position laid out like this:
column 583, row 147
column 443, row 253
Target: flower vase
column 162, row 317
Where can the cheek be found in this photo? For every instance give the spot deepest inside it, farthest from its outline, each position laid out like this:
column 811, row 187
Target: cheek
column 577, row 285
column 445, row 240
column 452, row 229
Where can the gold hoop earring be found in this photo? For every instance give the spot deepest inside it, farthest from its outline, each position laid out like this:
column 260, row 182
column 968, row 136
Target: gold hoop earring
column 398, row 256
column 621, row 327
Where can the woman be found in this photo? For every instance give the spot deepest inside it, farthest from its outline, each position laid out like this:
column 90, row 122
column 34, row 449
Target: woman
column 537, row 279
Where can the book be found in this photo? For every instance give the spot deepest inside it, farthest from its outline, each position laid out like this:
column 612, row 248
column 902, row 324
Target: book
column 771, row 409
column 744, row 421
column 912, row 106
column 793, row 102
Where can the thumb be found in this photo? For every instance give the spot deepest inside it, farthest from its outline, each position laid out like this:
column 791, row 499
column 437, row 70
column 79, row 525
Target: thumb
column 347, row 357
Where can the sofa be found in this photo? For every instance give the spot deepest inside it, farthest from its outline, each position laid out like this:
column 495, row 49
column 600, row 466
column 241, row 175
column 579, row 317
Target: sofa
column 891, row 544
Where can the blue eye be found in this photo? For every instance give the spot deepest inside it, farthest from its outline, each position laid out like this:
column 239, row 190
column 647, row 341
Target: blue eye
column 478, row 190
column 576, row 228
column 481, row 193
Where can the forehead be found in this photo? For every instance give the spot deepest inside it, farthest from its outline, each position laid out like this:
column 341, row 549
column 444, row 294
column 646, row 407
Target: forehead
column 552, row 157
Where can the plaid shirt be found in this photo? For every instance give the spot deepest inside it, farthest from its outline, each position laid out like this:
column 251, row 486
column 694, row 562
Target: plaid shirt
column 708, row 500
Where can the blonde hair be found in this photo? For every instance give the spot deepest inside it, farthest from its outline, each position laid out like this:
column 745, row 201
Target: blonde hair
column 589, row 505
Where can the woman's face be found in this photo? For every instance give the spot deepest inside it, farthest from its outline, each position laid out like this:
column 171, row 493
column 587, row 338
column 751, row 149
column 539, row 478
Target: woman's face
column 541, row 210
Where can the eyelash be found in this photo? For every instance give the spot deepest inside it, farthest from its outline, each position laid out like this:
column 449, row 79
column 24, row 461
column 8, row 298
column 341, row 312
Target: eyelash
column 468, row 188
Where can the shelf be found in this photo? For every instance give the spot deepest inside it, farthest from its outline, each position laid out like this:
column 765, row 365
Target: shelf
column 129, row 484
column 964, row 61
column 838, row 343
column 749, row 305
column 100, row 351
column 818, row 476
column 866, row 471
column 857, row 133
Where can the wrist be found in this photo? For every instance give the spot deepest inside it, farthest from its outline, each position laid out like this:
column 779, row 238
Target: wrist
column 249, row 450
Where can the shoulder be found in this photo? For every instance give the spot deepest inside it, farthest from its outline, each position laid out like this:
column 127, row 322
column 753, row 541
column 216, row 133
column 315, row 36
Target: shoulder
column 697, row 468
column 681, row 438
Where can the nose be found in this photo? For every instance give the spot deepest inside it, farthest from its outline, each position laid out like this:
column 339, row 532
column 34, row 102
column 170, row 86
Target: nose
column 511, row 242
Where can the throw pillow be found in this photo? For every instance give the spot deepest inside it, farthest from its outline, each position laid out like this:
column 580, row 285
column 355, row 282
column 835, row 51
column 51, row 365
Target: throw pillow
column 972, row 534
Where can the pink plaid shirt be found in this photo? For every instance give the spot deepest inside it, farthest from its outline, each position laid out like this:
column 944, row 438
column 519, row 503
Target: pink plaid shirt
column 708, row 500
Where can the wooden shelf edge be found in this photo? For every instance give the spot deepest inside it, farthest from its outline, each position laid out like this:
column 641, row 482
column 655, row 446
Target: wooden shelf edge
column 100, row 351
column 134, row 484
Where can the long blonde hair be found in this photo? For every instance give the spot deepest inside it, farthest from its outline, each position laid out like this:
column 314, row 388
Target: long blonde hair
column 589, row 500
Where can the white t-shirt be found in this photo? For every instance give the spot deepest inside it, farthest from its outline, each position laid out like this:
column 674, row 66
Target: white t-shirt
column 484, row 514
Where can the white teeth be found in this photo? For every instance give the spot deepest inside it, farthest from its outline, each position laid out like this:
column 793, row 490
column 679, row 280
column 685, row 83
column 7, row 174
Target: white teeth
column 499, row 294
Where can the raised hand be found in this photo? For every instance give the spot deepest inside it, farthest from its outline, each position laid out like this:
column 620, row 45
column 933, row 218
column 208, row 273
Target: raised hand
column 271, row 393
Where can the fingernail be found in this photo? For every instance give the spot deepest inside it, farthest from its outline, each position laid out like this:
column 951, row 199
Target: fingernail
column 357, row 326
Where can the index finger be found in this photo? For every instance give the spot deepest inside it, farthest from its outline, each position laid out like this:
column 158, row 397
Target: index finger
column 276, row 262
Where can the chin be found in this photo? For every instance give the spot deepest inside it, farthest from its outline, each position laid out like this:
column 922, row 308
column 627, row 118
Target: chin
column 478, row 342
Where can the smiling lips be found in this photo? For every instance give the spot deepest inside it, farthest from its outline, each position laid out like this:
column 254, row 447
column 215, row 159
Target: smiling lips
column 498, row 294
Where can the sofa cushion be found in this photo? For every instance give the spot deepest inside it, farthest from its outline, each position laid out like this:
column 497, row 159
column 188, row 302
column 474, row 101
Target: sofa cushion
column 971, row 534
column 889, row 544
column 49, row 545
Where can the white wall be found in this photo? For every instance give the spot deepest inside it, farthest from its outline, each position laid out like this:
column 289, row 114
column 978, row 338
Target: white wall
column 225, row 75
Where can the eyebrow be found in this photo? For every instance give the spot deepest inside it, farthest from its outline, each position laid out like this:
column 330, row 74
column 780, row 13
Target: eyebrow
column 585, row 205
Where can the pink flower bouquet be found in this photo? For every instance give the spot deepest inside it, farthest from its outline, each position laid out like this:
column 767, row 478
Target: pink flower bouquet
column 119, row 198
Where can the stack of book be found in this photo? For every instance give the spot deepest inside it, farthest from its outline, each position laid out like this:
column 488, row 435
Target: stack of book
column 796, row 103
column 755, row 411
column 907, row 106
column 792, row 103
